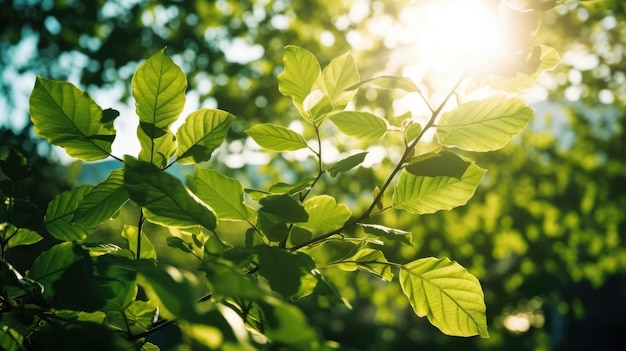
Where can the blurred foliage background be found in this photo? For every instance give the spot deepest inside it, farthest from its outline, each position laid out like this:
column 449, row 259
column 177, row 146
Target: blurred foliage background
column 545, row 234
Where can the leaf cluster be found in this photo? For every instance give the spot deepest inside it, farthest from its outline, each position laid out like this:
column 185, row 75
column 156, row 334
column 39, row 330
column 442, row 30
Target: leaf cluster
column 241, row 294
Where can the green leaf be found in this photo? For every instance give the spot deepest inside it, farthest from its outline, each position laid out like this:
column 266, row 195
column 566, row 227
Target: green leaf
column 228, row 281
column 284, row 207
column 123, row 285
column 422, row 194
column 285, row 323
column 276, row 138
column 316, row 105
column 447, row 294
column 203, row 132
column 172, row 292
column 361, row 125
column 149, row 347
column 147, row 250
column 284, row 270
column 68, row 117
column 434, row 164
column 301, row 71
column 274, row 228
column 337, row 79
column 158, row 150
column 103, row 201
column 178, row 243
column 58, row 219
column 369, row 260
column 19, row 236
column 10, row 339
column 223, row 194
column 325, row 215
column 139, row 316
column 390, row 82
column 412, row 131
column 15, row 166
column 484, row 125
column 165, row 199
column 159, row 90
column 389, row 233
column 346, row 164
column 66, row 273
column 109, row 115
column 291, row 189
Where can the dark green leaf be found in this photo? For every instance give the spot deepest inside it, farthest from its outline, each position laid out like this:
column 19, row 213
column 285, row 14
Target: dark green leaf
column 283, row 269
column 178, row 243
column 285, row 323
column 15, row 166
column 442, row 164
column 164, row 197
column 109, row 115
column 172, row 292
column 346, row 164
column 274, row 228
column 228, row 281
column 284, row 207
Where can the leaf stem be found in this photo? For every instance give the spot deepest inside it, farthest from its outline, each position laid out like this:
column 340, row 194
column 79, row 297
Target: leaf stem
column 398, row 168
column 139, row 230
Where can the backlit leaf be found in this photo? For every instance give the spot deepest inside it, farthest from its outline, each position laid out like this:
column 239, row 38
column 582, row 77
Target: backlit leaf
column 484, row 125
column 337, row 79
column 362, row 125
column 301, row 71
column 103, row 201
column 165, row 199
column 147, row 250
column 391, row 82
column 276, row 138
column 447, row 294
column 203, row 132
column 325, row 214
column 223, row 194
column 159, row 90
column 389, row 233
column 156, row 150
column 421, row 194
column 58, row 219
column 369, row 260
column 172, row 292
column 19, row 236
column 68, row 117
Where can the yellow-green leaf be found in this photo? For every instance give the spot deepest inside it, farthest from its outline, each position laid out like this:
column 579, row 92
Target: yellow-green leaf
column 301, row 71
column 484, row 125
column 447, row 294
column 361, row 125
column 325, row 214
column 422, row 194
column 276, row 138
column 337, row 80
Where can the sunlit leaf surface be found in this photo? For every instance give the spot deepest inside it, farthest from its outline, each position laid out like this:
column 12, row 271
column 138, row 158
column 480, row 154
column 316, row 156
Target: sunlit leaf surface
column 447, row 294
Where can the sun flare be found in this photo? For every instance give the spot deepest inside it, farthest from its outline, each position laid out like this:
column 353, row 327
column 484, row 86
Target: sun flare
column 453, row 36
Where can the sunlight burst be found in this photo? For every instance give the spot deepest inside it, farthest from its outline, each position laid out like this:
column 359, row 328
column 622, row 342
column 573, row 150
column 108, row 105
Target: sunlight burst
column 452, row 36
